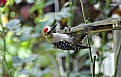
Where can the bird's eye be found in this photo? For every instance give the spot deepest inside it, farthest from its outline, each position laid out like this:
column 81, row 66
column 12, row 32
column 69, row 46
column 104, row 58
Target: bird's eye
column 45, row 30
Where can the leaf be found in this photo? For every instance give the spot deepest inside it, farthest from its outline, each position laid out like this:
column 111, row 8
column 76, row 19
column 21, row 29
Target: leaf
column 16, row 59
column 51, row 16
column 35, row 35
column 18, row 1
column 84, row 52
column 33, row 9
column 42, row 73
column 31, row 58
column 27, row 29
column 24, row 37
column 17, row 62
column 49, row 3
column 39, row 28
column 14, row 23
column 65, row 15
column 24, row 71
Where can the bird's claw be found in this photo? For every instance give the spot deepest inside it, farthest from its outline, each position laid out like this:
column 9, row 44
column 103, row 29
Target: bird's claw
column 67, row 30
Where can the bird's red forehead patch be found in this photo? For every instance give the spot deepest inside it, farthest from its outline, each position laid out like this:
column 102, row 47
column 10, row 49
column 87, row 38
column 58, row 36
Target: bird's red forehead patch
column 45, row 30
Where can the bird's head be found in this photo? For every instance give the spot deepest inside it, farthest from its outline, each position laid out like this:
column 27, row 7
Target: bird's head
column 48, row 30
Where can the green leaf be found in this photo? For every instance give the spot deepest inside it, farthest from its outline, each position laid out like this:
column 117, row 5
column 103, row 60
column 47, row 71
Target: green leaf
column 17, row 62
column 31, row 58
column 13, row 24
column 33, row 9
column 25, row 34
column 24, row 71
column 49, row 3
column 84, row 52
column 24, row 37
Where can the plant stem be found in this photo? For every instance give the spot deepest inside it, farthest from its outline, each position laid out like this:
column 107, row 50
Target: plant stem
column 82, row 7
column 93, row 71
column 116, row 63
column 4, row 48
column 90, row 53
column 4, row 53
column 88, row 38
column 68, row 64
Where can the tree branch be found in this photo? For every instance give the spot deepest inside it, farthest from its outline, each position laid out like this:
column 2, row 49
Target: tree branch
column 98, row 26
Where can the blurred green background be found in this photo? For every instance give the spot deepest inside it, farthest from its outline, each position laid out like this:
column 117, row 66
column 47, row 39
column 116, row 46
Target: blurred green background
column 24, row 52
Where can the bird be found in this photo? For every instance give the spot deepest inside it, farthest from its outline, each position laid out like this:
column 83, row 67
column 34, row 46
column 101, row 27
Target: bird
column 62, row 41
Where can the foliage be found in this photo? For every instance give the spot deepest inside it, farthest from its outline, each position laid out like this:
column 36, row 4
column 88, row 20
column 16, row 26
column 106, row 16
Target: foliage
column 24, row 52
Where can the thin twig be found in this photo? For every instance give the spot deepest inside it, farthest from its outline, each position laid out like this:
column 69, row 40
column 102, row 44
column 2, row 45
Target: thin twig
column 88, row 38
column 4, row 48
column 82, row 7
column 90, row 53
column 94, row 24
column 93, row 71
column 68, row 64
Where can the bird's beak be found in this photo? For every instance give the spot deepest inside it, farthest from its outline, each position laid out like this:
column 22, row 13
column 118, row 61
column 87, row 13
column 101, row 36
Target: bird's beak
column 52, row 28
